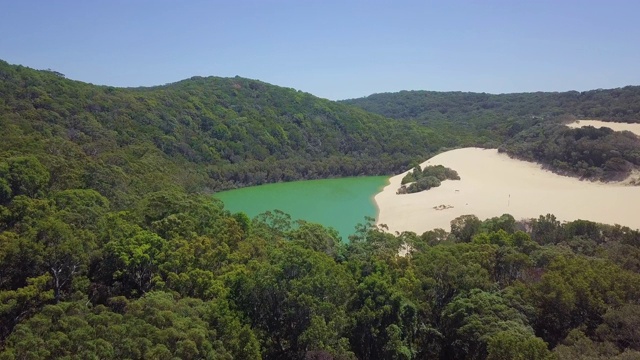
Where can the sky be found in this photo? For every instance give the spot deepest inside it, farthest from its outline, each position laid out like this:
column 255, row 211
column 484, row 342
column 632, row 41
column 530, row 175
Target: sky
column 335, row 49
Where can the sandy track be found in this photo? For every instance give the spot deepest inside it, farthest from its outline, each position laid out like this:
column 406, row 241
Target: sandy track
column 493, row 184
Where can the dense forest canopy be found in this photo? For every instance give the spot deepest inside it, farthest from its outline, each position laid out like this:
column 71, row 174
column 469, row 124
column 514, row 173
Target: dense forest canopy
column 200, row 134
column 110, row 250
column 621, row 104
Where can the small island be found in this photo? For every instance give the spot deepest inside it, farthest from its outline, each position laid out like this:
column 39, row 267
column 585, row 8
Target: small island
column 425, row 179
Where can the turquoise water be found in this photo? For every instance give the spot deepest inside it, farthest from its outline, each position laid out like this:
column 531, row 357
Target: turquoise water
column 339, row 203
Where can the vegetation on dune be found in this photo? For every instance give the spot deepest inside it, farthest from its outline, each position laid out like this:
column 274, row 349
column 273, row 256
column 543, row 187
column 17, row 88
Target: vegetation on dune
column 107, row 249
column 427, row 178
column 586, row 152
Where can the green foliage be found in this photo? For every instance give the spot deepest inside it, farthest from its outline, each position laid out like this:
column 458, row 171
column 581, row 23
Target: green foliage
column 386, row 322
column 196, row 135
column 576, row 292
column 503, row 113
column 108, row 251
column 546, row 230
column 621, row 326
column 22, row 175
column 578, row 346
column 180, row 277
column 510, row 345
column 5, row 188
column 472, row 320
column 17, row 304
column 156, row 326
column 297, row 302
column 135, row 260
column 318, row 238
column 427, row 178
column 464, row 227
column 587, row 152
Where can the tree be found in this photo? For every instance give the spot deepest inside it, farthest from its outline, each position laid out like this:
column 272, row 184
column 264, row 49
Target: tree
column 318, row 238
column 65, row 256
column 464, row 227
column 135, row 260
column 511, row 345
column 291, row 298
column 5, row 188
column 16, row 305
column 81, row 208
column 473, row 321
column 505, row 222
column 621, row 326
column 25, row 175
column 385, row 322
column 576, row 292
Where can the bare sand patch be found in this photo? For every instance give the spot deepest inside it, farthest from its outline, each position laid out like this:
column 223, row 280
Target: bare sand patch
column 493, row 184
column 615, row 126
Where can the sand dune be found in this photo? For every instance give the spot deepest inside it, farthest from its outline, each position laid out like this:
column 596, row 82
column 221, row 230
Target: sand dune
column 493, row 184
column 616, row 126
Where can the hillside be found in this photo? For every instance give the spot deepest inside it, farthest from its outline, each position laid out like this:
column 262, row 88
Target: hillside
column 110, row 250
column 200, row 134
column 528, row 126
column 621, row 104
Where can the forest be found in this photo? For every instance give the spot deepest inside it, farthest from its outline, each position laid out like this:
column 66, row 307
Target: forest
column 199, row 135
column 111, row 246
column 177, row 276
column 467, row 108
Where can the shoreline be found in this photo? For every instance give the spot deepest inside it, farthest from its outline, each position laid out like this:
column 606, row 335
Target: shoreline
column 372, row 198
column 493, row 184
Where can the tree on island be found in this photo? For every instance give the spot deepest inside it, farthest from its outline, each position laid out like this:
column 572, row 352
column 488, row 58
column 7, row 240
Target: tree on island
column 427, row 178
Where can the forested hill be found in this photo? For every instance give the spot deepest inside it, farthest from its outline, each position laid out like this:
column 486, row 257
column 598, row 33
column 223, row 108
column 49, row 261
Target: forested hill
column 200, row 134
column 528, row 126
column 621, row 104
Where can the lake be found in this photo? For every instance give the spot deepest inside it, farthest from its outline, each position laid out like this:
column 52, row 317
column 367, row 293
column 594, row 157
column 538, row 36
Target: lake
column 339, row 203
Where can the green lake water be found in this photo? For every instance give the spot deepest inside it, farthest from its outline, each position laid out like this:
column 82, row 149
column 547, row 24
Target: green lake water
column 339, row 203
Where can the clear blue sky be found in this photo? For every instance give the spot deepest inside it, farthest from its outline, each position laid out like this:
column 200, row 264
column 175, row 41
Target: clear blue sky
column 335, row 49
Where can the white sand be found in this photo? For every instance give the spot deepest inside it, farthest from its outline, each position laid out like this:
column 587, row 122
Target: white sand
column 493, row 184
column 615, row 126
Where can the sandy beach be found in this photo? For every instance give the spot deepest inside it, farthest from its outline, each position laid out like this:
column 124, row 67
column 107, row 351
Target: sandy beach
column 616, row 126
column 493, row 184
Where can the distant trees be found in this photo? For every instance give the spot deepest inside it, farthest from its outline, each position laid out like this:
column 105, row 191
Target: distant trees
column 480, row 110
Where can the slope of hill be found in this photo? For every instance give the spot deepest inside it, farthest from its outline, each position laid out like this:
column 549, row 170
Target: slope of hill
column 528, row 126
column 200, row 134
column 621, row 104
